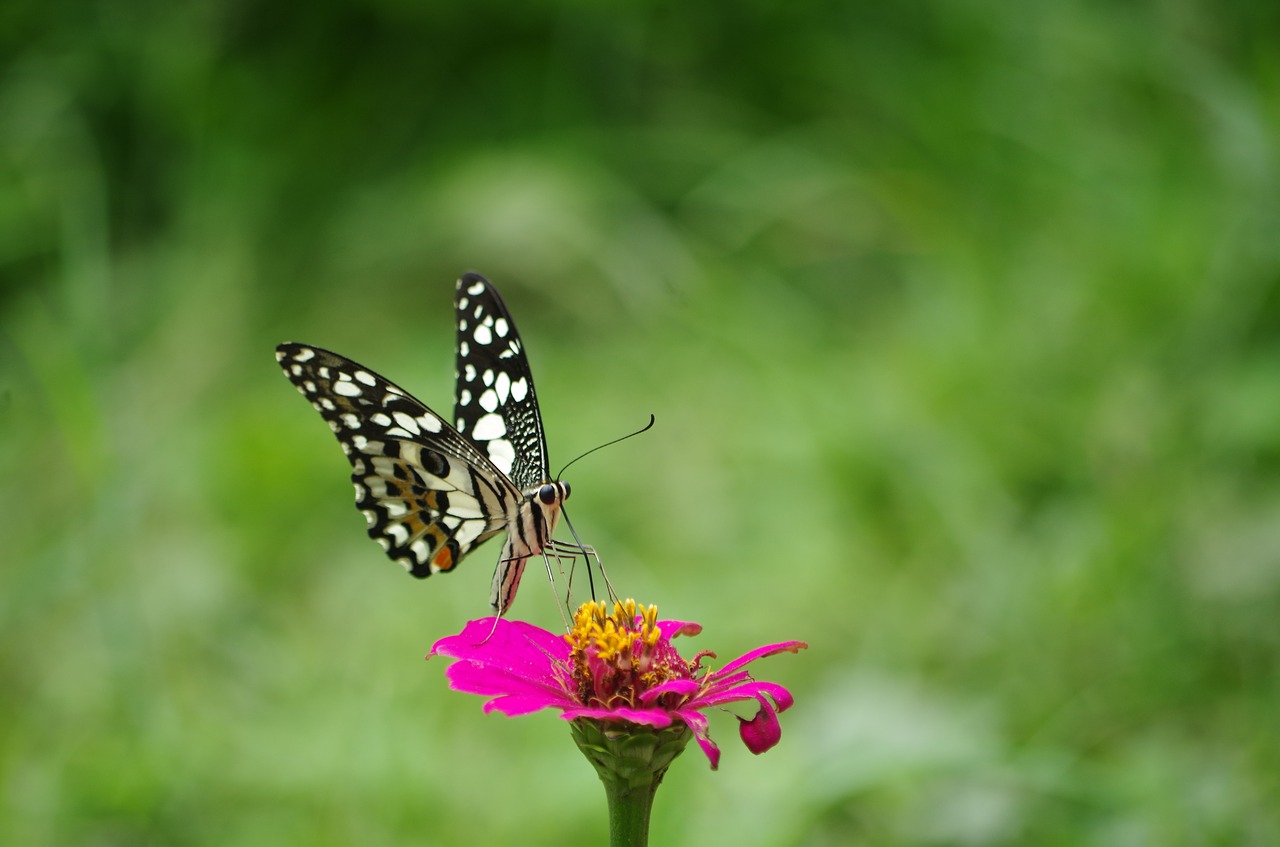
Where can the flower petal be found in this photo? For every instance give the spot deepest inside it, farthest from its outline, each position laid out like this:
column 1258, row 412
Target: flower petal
column 670, row 629
column 683, row 687
column 522, row 666
column 716, row 697
column 506, row 643
column 763, row 731
column 514, row 705
column 760, row 653
column 658, row 718
column 697, row 722
column 474, row 678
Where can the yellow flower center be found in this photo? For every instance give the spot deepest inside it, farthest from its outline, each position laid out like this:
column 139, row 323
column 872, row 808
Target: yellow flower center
column 617, row 656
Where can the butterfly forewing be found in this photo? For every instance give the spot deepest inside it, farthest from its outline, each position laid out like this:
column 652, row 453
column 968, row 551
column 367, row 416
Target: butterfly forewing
column 428, row 494
column 495, row 404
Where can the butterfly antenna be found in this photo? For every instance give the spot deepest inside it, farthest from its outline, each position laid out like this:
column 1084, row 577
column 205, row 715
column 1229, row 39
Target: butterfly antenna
column 644, row 428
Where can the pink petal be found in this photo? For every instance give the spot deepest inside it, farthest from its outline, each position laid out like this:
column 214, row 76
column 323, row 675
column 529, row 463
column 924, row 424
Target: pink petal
column 760, row 653
column 670, row 629
column 745, row 691
column 647, row 717
column 697, row 722
column 506, row 643
column 475, row 678
column 761, row 732
column 514, row 705
column 683, row 687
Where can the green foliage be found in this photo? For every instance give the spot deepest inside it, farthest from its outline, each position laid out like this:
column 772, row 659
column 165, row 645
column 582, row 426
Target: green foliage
column 961, row 323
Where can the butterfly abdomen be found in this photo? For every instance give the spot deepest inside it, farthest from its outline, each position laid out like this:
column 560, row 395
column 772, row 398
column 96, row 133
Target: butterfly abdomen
column 528, row 534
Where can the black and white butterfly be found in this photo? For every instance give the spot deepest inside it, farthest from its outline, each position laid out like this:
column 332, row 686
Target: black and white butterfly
column 432, row 492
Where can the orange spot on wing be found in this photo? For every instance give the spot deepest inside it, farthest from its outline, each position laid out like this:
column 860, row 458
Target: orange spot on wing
column 443, row 559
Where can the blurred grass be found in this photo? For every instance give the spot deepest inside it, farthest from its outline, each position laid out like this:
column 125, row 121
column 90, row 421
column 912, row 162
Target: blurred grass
column 960, row 323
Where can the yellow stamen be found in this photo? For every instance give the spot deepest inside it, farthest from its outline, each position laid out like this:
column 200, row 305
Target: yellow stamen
column 614, row 654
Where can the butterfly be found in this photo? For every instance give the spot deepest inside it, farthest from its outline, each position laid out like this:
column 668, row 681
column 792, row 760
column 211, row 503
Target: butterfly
column 432, row 492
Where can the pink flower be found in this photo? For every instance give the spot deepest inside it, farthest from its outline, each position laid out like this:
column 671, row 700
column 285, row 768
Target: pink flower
column 615, row 670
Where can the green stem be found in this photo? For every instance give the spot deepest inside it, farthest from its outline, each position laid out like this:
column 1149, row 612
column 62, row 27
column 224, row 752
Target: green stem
column 629, row 810
column 631, row 761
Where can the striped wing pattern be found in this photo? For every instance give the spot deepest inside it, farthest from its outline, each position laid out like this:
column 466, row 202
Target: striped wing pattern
column 429, row 491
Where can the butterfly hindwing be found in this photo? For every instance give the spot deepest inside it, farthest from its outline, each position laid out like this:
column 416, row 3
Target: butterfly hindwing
column 428, row 494
column 495, row 403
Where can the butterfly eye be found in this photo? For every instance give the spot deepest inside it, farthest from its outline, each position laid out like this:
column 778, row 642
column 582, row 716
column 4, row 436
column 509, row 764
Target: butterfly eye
column 547, row 494
column 565, row 486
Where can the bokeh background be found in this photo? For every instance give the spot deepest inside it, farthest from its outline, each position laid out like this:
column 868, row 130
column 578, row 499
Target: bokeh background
column 961, row 324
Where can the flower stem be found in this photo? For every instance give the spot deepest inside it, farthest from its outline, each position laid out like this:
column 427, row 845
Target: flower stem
column 629, row 810
column 631, row 762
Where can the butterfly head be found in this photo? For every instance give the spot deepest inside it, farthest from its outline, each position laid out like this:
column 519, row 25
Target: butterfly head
column 552, row 493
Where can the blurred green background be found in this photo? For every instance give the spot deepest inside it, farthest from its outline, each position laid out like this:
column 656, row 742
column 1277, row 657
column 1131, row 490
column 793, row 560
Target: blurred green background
column 961, row 323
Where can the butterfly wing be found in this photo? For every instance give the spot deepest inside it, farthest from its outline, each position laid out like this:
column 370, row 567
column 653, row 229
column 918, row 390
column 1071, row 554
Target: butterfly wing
column 496, row 406
column 429, row 495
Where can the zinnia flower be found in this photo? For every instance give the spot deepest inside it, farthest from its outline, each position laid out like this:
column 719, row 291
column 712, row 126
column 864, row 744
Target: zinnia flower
column 614, row 675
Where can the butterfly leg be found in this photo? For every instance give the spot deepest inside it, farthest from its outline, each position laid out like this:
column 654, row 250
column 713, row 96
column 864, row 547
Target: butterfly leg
column 587, row 552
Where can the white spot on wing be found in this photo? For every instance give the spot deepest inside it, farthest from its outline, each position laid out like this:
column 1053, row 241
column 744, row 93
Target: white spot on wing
column 503, row 385
column 502, row 454
column 407, row 422
column 489, row 400
column 501, row 327
column 520, row 389
column 489, row 427
column 366, row 378
column 347, row 389
column 475, row 289
column 306, row 354
column 429, row 422
column 468, row 531
column 482, row 335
